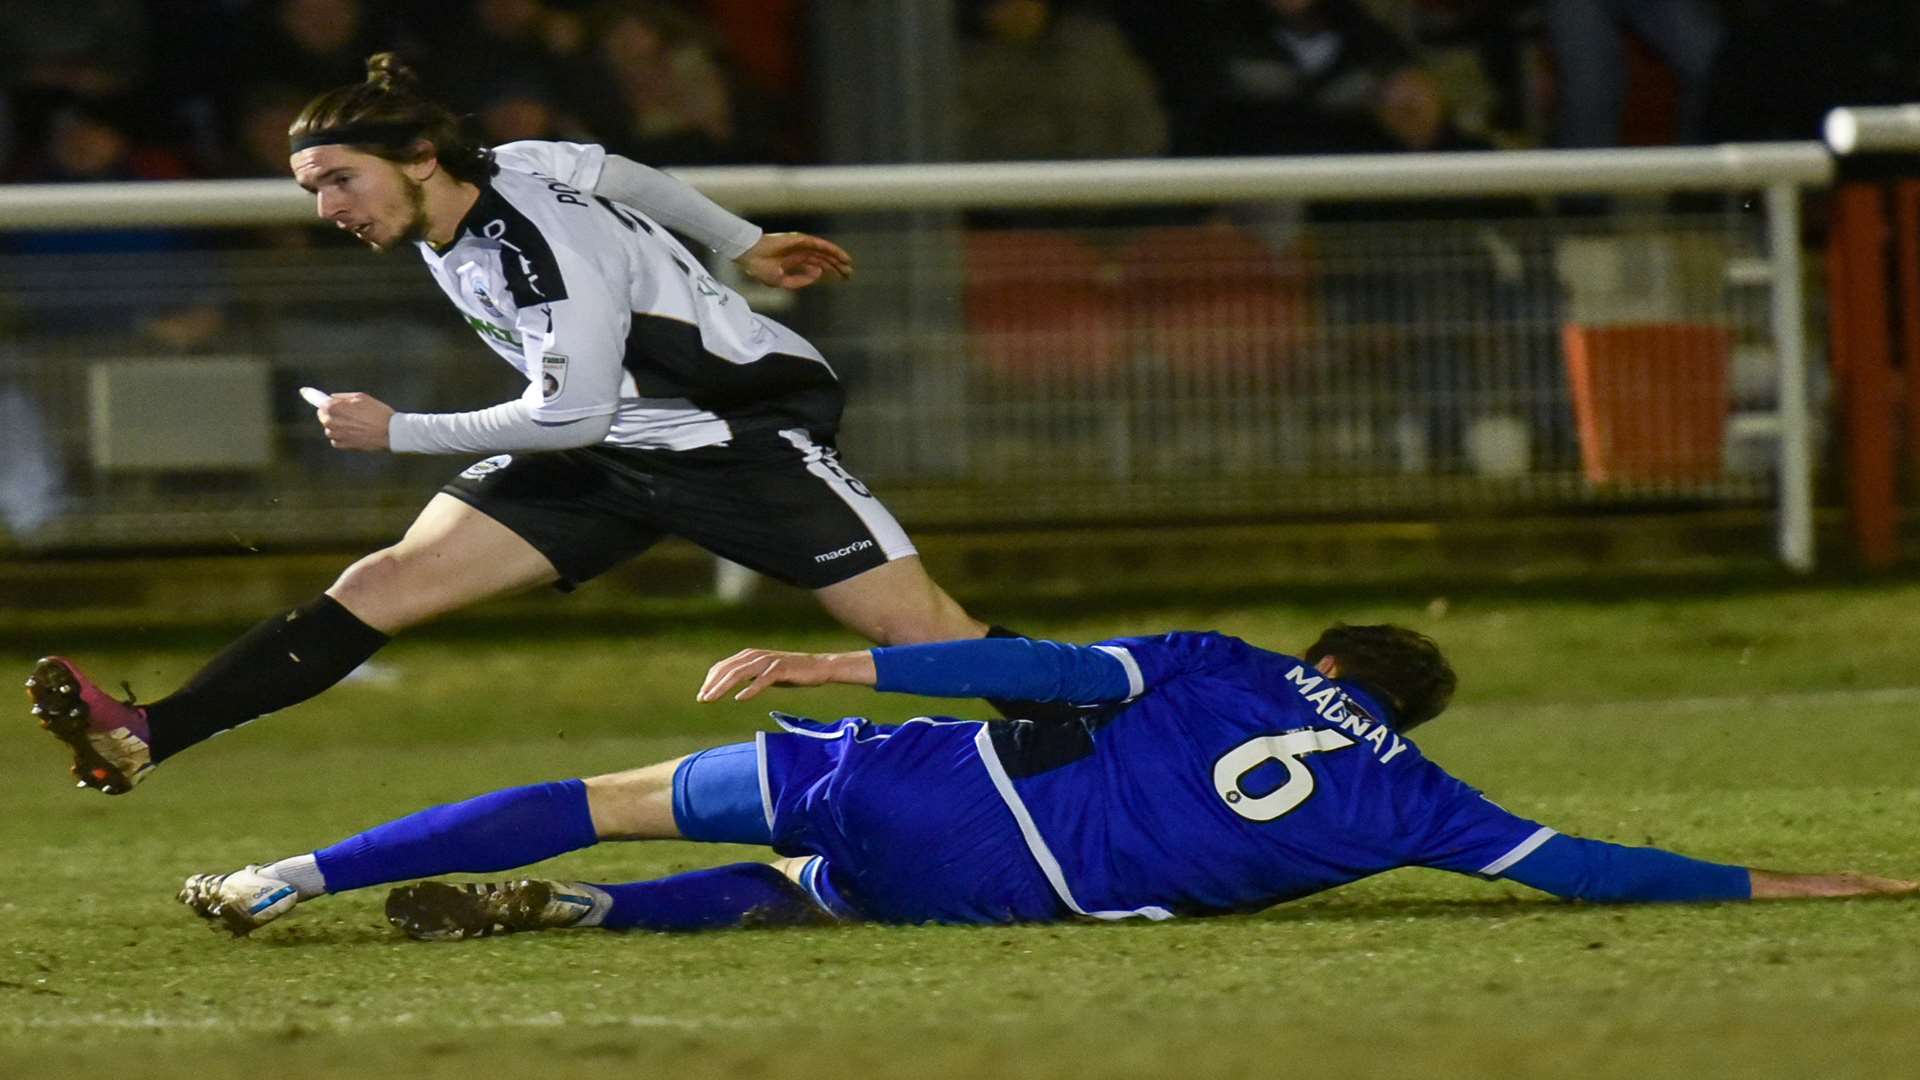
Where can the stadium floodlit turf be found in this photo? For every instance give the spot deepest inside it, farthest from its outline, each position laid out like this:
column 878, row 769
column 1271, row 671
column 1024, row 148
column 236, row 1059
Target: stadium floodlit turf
column 1771, row 726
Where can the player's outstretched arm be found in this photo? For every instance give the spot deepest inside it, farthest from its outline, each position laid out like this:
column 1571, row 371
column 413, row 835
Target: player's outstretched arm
column 761, row 668
column 1019, row 668
column 1773, row 885
column 1581, row 869
column 675, row 204
column 784, row 260
column 363, row 422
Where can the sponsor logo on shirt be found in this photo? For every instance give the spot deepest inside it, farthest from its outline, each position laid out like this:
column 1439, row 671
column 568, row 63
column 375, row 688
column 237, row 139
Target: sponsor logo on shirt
column 857, row 545
column 493, row 333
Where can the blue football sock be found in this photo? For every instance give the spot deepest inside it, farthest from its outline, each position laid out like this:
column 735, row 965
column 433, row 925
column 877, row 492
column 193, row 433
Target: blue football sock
column 737, row 895
column 497, row 831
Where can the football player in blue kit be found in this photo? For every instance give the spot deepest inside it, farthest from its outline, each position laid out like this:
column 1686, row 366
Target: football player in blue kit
column 1201, row 776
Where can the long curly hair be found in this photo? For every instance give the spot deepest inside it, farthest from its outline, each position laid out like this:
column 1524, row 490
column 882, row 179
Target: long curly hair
column 398, row 122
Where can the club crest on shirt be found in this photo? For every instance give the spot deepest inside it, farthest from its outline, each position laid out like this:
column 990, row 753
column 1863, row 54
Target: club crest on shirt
column 553, row 376
column 485, row 299
column 476, row 282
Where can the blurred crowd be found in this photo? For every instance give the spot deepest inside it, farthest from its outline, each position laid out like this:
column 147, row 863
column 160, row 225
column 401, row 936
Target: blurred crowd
column 120, row 89
column 124, row 89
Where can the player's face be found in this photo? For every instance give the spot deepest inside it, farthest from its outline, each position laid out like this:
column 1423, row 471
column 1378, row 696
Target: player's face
column 370, row 197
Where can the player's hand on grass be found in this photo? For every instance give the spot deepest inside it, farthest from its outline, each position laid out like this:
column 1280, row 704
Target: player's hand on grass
column 761, row 668
column 792, row 260
column 355, row 421
column 1774, row 885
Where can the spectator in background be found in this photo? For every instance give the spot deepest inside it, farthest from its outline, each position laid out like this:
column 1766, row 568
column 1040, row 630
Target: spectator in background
column 93, row 141
column 666, row 98
column 1411, row 114
column 1040, row 80
column 1490, row 44
column 1588, row 42
column 525, row 109
column 1291, row 77
column 73, row 48
column 308, row 44
column 1454, row 298
column 194, row 70
column 258, row 138
column 89, row 139
column 519, row 43
column 53, row 52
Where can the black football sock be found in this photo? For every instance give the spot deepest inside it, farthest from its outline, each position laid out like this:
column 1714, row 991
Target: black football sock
column 283, row 661
column 1015, row 709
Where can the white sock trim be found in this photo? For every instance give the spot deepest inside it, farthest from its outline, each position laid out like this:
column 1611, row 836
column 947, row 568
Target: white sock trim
column 602, row 902
column 302, row 872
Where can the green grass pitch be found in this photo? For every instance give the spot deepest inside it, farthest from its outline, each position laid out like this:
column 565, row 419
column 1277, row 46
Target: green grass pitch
column 1773, row 725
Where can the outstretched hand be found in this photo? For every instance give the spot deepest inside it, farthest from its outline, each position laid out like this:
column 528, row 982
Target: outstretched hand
column 792, row 260
column 1774, row 885
column 761, row 668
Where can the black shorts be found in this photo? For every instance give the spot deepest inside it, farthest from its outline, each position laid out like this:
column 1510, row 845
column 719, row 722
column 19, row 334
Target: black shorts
column 775, row 502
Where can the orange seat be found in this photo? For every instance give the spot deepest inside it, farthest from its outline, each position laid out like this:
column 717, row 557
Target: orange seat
column 1650, row 399
column 1214, row 298
column 1040, row 306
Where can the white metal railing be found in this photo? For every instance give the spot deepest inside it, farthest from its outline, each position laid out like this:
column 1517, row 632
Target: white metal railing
column 825, row 189
column 1781, row 170
column 1875, row 130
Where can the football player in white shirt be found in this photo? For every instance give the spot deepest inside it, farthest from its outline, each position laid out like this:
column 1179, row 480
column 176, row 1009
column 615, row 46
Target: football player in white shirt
column 657, row 404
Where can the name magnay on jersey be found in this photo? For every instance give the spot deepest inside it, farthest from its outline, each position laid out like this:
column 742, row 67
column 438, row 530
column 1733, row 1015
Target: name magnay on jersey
column 605, row 312
column 1239, row 778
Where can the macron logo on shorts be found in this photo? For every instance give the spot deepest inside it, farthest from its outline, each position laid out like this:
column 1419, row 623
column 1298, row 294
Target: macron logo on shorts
column 857, row 545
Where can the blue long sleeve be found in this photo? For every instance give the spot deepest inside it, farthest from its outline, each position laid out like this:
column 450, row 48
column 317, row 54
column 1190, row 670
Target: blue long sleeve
column 1022, row 668
column 1582, row 869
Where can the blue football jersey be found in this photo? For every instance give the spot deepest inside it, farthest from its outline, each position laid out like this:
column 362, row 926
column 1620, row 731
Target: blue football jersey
column 1232, row 779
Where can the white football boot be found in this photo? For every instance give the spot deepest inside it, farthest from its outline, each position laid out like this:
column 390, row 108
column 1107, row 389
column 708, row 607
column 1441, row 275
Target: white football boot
column 446, row 911
column 240, row 902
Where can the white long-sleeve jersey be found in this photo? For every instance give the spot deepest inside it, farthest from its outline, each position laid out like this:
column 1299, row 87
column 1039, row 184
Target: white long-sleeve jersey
column 607, row 315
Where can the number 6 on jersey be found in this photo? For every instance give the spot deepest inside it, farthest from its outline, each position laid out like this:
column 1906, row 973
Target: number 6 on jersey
column 1288, row 749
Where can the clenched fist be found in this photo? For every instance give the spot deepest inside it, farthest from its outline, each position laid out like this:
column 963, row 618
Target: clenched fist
column 355, row 421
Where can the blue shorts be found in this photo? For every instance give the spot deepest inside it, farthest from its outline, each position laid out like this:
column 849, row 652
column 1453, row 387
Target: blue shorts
column 905, row 818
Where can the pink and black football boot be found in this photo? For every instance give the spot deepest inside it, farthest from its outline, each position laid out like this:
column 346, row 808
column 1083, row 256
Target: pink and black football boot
column 109, row 738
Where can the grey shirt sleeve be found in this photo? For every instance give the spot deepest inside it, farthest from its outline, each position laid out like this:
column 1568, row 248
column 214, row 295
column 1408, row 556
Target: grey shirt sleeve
column 499, row 429
column 676, row 205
